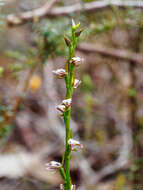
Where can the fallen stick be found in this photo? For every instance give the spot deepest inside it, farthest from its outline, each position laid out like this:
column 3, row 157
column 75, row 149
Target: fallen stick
column 46, row 10
column 111, row 52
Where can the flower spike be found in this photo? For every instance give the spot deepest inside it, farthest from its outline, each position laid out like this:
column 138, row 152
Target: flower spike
column 74, row 144
column 60, row 73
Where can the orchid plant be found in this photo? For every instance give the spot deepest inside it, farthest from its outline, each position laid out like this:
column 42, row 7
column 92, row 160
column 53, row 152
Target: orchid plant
column 65, row 108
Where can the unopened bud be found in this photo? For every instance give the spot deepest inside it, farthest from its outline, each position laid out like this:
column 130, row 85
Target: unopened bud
column 73, row 23
column 77, row 33
column 68, row 42
column 75, row 26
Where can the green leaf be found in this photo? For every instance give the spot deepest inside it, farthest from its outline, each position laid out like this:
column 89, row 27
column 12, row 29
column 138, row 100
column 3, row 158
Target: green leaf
column 17, row 67
column 134, row 167
column 1, row 71
column 132, row 92
column 1, row 119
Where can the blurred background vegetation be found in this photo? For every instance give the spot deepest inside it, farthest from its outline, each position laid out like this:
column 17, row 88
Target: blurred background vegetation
column 107, row 112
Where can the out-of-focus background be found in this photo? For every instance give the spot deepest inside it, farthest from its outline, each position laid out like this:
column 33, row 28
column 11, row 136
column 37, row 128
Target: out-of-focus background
column 107, row 109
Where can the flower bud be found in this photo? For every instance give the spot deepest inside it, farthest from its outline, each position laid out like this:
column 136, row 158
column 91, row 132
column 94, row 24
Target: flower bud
column 74, row 144
column 76, row 61
column 75, row 26
column 76, row 83
column 60, row 73
column 68, row 42
column 73, row 23
column 53, row 165
column 77, row 33
column 67, row 102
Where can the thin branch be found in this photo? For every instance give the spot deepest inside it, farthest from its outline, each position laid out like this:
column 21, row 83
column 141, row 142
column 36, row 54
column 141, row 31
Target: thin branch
column 111, row 52
column 95, row 6
column 67, row 10
column 13, row 19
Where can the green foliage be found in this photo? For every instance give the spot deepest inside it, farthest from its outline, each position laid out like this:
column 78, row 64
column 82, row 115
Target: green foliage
column 15, row 55
column 1, row 71
column 17, row 67
column 88, row 84
column 134, row 167
column 132, row 92
column 102, row 25
column 51, row 39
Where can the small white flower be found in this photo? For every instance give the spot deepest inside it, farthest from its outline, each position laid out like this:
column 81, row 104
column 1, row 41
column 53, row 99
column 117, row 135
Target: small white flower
column 61, row 108
column 62, row 187
column 73, row 187
column 74, row 144
column 76, row 83
column 60, row 73
column 76, row 61
column 53, row 165
column 67, row 102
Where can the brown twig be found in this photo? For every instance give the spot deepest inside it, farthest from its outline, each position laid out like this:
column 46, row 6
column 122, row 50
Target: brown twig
column 14, row 19
column 110, row 52
column 94, row 6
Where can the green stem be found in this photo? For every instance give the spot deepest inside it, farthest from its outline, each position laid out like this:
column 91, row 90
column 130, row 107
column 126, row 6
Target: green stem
column 69, row 79
column 62, row 172
column 67, row 150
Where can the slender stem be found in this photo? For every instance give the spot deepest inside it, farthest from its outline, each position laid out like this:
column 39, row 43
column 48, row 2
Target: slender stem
column 62, row 172
column 69, row 80
column 67, row 115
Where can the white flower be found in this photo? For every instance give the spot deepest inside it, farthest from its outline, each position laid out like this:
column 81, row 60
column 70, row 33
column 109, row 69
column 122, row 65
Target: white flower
column 61, row 108
column 76, row 61
column 60, row 73
column 76, row 83
column 53, row 165
column 62, row 187
column 73, row 187
column 67, row 102
column 74, row 144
